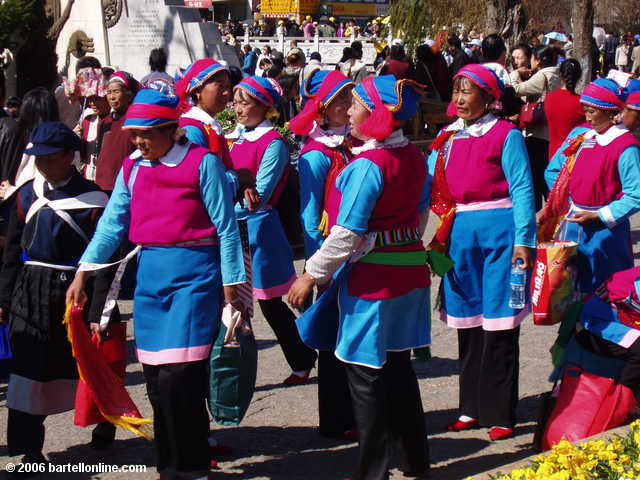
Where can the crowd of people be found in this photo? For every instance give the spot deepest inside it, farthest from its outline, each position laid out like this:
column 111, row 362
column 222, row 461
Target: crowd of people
column 106, row 168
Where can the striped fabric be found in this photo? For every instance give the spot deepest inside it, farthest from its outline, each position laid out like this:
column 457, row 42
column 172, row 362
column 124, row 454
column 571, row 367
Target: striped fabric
column 394, row 237
column 245, row 290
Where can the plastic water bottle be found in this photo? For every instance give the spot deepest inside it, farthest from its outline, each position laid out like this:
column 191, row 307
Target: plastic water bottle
column 518, row 285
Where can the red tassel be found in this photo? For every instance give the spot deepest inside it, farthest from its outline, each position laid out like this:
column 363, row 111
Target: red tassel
column 441, row 139
column 379, row 125
column 572, row 149
column 302, row 123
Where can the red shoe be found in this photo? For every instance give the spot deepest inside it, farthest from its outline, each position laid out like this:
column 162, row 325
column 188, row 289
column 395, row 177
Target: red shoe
column 459, row 425
column 351, row 435
column 294, row 379
column 220, row 449
column 498, row 433
column 213, row 464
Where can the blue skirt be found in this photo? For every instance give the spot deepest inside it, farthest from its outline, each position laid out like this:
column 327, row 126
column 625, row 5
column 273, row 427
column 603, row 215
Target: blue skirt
column 602, row 251
column 476, row 290
column 362, row 331
column 271, row 255
column 177, row 303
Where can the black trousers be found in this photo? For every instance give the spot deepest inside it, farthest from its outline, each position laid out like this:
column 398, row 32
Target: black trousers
column 489, row 367
column 177, row 393
column 25, row 433
column 538, row 150
column 389, row 414
column 335, row 410
column 283, row 323
column 630, row 375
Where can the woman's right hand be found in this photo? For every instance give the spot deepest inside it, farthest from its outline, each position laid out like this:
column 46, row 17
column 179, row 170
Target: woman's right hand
column 76, row 294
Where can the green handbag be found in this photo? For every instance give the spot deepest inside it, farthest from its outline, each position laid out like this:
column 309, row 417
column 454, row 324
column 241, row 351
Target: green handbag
column 232, row 374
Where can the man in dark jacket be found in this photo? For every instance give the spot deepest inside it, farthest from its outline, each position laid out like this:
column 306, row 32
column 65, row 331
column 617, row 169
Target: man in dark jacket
column 460, row 59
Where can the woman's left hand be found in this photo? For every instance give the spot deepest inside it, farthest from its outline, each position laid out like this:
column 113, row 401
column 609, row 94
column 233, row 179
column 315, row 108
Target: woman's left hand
column 300, row 290
column 521, row 253
column 584, row 218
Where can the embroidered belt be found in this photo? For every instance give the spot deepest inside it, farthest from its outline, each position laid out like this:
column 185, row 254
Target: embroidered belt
column 188, row 243
column 397, row 237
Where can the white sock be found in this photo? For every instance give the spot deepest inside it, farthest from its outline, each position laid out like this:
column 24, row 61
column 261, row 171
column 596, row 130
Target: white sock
column 300, row 373
column 464, row 418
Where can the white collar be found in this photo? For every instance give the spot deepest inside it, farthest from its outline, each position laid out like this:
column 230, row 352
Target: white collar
column 395, row 140
column 478, row 128
column 329, row 138
column 196, row 113
column 604, row 139
column 252, row 135
column 172, row 158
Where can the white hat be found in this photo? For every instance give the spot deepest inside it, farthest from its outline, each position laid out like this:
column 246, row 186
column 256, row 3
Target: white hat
column 398, row 41
column 476, row 42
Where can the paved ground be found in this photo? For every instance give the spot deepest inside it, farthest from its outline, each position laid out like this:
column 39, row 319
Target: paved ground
column 277, row 439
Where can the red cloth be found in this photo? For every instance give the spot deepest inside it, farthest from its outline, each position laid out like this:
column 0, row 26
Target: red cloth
column 116, row 146
column 564, row 112
column 397, row 67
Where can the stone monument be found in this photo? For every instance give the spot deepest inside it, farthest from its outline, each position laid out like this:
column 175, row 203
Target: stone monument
column 125, row 31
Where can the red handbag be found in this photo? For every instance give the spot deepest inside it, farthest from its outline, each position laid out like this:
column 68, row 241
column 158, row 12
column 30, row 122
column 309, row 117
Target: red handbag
column 587, row 405
column 532, row 113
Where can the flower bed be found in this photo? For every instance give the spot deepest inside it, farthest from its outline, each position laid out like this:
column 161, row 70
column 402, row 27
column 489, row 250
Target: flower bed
column 615, row 459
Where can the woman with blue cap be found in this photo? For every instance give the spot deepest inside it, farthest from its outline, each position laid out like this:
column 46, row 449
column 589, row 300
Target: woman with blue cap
column 483, row 193
column 379, row 294
column 602, row 169
column 189, row 263
column 51, row 221
column 325, row 123
column 259, row 148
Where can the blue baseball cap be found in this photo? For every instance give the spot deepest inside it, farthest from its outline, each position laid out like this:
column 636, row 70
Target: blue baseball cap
column 52, row 137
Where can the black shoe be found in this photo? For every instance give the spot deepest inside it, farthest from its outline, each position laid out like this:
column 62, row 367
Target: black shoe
column 103, row 435
column 424, row 475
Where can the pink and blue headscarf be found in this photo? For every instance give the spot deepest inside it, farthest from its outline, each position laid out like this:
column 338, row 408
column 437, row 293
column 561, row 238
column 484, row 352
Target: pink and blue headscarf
column 265, row 90
column 319, row 89
column 484, row 78
column 195, row 76
column 604, row 94
column 633, row 99
column 151, row 109
column 389, row 100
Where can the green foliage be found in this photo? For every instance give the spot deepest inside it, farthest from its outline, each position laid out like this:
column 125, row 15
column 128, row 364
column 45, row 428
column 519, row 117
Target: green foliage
column 17, row 17
column 227, row 119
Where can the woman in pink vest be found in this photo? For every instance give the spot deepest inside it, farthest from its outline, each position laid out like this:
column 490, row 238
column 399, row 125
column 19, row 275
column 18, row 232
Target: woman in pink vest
column 380, row 294
column 483, row 192
column 325, row 123
column 172, row 199
column 604, row 187
column 259, row 148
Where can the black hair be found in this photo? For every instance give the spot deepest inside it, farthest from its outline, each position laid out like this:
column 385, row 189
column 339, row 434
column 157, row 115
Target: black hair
column 511, row 103
column 570, row 73
column 454, row 41
column 524, row 47
column 315, row 56
column 38, row 105
column 107, row 71
column 273, row 72
column 158, row 60
column 396, row 52
column 424, row 52
column 277, row 58
column 14, row 102
column 287, row 82
column 356, row 45
column 347, row 54
column 492, row 47
column 235, row 75
column 84, row 62
column 547, row 55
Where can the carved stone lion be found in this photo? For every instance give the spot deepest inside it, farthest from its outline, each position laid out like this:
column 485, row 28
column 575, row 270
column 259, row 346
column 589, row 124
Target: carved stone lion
column 112, row 9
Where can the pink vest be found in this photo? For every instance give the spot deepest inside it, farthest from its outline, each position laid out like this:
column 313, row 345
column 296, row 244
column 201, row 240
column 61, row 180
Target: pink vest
column 166, row 206
column 247, row 154
column 217, row 143
column 331, row 200
column 474, row 167
column 404, row 172
column 595, row 180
